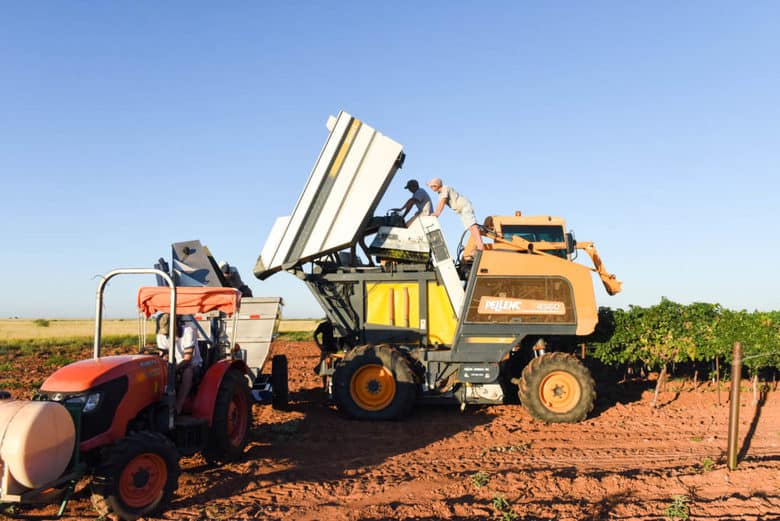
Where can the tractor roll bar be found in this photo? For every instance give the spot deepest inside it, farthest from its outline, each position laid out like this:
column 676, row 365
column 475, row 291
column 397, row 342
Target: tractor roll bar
column 170, row 389
column 132, row 271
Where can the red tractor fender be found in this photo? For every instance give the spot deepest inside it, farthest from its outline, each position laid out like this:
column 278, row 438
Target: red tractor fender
column 206, row 397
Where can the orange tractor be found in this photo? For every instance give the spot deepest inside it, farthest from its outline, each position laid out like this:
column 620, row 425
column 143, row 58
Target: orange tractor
column 114, row 417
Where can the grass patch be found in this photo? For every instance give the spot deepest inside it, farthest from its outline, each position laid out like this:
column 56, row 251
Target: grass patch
column 70, row 345
column 506, row 449
column 58, row 360
column 294, row 336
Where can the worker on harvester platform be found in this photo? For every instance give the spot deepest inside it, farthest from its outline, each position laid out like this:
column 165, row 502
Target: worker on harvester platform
column 233, row 279
column 460, row 205
column 188, row 357
column 419, row 198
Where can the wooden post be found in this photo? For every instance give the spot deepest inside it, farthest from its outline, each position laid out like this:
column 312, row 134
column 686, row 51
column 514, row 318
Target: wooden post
column 736, row 375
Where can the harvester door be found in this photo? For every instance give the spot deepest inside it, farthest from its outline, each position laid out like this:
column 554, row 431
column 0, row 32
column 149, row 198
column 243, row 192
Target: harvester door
column 442, row 261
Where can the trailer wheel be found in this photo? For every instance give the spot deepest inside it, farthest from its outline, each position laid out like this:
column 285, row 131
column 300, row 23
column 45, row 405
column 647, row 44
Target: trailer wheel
column 557, row 388
column 139, row 475
column 280, row 391
column 375, row 383
column 232, row 417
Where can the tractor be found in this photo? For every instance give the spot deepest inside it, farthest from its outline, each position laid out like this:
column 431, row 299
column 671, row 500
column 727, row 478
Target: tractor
column 407, row 321
column 113, row 418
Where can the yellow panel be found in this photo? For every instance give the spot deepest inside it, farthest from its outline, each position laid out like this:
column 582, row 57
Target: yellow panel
column 441, row 317
column 393, row 304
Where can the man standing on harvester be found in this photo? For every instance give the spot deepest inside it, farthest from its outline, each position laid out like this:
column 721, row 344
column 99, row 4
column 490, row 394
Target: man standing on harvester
column 460, row 205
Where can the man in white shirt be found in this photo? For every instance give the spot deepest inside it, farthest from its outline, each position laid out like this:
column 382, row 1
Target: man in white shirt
column 187, row 353
column 419, row 198
column 460, row 205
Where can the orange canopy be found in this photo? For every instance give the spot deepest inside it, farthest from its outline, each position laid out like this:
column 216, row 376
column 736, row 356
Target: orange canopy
column 189, row 300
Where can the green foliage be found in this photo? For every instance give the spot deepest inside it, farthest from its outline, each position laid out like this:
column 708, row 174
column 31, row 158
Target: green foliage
column 707, row 464
column 504, row 509
column 480, row 479
column 679, row 508
column 700, row 332
column 41, row 322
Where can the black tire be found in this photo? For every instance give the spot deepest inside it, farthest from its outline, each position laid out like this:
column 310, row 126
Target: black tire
column 280, row 391
column 557, row 388
column 232, row 419
column 137, row 477
column 375, row 383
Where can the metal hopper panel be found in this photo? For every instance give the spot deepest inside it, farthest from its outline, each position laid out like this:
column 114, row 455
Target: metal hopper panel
column 345, row 186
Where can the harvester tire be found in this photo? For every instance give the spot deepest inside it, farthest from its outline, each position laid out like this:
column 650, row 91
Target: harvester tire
column 232, row 418
column 138, row 476
column 375, row 383
column 557, row 388
column 280, row 391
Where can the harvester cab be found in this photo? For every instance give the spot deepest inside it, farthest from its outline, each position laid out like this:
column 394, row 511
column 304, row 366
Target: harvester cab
column 414, row 322
column 114, row 417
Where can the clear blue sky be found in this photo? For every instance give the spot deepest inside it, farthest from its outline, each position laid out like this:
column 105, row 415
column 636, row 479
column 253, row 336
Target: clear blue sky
column 652, row 127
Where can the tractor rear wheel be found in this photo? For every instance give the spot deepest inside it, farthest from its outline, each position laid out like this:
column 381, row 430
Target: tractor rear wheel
column 375, row 383
column 280, row 393
column 557, row 388
column 232, row 418
column 138, row 476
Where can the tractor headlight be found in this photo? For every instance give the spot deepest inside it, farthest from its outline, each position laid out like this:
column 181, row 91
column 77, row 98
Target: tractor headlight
column 93, row 400
column 88, row 402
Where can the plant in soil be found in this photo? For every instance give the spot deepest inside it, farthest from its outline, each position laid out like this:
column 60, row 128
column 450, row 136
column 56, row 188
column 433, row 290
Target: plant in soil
column 480, row 479
column 707, row 464
column 679, row 508
column 504, row 508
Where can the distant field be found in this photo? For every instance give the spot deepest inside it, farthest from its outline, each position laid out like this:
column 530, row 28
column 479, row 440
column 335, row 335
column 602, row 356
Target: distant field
column 15, row 329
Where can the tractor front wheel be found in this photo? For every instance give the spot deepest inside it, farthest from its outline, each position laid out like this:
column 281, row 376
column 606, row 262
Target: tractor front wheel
column 232, row 418
column 557, row 388
column 375, row 383
column 138, row 476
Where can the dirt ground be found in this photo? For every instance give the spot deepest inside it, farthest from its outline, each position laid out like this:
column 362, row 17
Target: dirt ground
column 626, row 462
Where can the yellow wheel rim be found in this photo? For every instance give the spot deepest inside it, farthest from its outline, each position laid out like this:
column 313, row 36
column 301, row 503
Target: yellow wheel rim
column 560, row 392
column 372, row 387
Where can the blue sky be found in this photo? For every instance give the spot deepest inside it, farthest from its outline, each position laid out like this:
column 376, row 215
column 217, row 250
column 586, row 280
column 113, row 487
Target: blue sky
column 652, row 127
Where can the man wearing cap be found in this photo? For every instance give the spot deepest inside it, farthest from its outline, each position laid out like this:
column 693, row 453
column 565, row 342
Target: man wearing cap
column 233, row 279
column 461, row 206
column 419, row 198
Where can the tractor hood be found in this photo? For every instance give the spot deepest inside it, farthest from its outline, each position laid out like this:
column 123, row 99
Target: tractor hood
column 350, row 177
column 87, row 374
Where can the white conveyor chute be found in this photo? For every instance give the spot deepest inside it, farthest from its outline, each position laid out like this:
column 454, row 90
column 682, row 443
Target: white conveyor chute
column 349, row 178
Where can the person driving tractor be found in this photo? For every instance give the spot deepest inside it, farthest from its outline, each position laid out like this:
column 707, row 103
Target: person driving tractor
column 187, row 353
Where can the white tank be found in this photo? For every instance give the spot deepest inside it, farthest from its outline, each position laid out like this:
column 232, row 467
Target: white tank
column 36, row 443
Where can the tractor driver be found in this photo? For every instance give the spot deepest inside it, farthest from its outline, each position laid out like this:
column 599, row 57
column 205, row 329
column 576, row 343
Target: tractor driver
column 187, row 353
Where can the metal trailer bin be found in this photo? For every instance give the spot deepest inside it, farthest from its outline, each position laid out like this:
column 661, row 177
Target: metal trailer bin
column 257, row 324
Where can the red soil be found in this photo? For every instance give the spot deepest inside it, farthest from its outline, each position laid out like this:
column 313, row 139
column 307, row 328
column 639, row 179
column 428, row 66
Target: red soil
column 627, row 461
